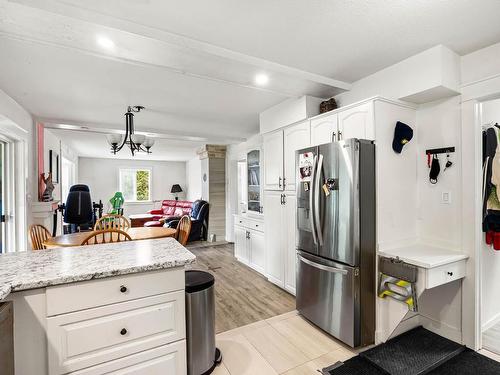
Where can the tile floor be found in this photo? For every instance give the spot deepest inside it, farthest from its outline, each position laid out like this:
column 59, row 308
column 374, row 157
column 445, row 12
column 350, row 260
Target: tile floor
column 284, row 344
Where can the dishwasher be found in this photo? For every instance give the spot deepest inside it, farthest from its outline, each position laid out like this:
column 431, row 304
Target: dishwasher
column 6, row 339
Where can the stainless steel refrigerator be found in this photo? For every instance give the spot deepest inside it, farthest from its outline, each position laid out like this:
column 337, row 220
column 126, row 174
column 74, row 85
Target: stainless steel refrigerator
column 336, row 244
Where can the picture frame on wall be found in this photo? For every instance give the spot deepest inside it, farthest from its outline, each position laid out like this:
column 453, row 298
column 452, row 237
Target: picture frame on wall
column 54, row 165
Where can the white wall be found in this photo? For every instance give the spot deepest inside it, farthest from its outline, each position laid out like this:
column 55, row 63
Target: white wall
column 193, row 179
column 438, row 125
column 102, row 177
column 490, row 262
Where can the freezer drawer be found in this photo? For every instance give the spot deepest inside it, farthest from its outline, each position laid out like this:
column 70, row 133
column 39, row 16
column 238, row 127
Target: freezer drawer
column 327, row 295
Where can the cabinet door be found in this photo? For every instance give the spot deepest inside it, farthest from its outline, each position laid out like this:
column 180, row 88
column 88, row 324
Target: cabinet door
column 323, row 129
column 290, row 251
column 240, row 244
column 257, row 251
column 294, row 138
column 273, row 160
column 357, row 122
column 273, row 232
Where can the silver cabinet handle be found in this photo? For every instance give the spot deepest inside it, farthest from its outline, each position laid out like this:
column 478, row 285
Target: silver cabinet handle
column 311, row 200
column 340, row 135
column 279, row 182
column 322, row 267
column 284, row 182
column 334, row 137
column 317, row 177
column 284, row 198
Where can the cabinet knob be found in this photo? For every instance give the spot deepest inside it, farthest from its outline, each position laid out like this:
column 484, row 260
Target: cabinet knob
column 450, row 273
column 123, row 332
column 123, row 288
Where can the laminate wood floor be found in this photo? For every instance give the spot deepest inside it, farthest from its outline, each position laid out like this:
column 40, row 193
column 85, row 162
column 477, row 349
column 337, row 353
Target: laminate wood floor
column 242, row 295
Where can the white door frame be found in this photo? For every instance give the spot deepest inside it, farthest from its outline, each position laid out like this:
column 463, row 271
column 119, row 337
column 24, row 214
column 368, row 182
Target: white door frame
column 473, row 95
column 16, row 184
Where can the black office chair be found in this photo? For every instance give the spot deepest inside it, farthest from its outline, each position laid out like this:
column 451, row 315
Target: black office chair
column 79, row 211
column 199, row 221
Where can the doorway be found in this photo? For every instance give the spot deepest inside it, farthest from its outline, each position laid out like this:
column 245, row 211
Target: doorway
column 2, row 196
column 489, row 115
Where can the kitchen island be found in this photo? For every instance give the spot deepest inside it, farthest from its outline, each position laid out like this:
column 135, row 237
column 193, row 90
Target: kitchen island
column 98, row 309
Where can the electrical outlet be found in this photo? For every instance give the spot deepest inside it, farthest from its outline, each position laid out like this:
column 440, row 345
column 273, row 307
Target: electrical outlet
column 446, row 197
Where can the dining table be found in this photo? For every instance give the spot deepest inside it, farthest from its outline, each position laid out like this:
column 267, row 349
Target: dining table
column 137, row 233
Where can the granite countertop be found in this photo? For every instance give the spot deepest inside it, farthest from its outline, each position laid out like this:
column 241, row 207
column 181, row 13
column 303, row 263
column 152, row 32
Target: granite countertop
column 42, row 268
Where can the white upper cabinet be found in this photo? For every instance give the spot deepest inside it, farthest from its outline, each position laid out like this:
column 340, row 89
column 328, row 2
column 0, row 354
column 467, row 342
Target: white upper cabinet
column 295, row 138
column 357, row 122
column 273, row 160
column 324, row 129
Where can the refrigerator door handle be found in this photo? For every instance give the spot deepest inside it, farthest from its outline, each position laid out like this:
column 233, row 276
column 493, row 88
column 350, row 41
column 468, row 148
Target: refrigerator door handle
column 311, row 201
column 316, row 193
column 321, row 266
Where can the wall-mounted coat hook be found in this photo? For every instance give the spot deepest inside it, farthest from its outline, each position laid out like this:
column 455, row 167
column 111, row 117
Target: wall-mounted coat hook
column 444, row 150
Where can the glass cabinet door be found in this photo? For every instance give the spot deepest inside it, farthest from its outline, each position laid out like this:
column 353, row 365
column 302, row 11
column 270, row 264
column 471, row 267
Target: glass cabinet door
column 254, row 183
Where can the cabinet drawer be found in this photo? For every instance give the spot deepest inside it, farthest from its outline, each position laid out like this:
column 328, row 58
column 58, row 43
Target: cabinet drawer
column 89, row 294
column 444, row 274
column 168, row 359
column 241, row 221
column 255, row 225
column 90, row 337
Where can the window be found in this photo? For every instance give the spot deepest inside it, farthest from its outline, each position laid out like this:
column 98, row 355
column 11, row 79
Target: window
column 135, row 184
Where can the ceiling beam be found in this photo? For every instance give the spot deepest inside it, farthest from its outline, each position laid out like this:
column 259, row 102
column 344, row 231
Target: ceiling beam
column 68, row 26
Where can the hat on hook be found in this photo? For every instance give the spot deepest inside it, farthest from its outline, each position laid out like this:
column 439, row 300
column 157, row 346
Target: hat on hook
column 402, row 135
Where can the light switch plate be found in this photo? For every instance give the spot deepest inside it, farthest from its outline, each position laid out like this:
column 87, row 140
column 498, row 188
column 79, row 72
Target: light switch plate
column 446, row 197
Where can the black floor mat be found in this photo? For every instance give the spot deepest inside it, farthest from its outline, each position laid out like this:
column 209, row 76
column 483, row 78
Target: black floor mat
column 415, row 352
column 468, row 363
column 459, row 360
column 355, row 365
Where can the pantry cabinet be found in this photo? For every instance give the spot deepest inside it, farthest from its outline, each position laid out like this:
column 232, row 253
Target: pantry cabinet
column 280, row 232
column 279, row 155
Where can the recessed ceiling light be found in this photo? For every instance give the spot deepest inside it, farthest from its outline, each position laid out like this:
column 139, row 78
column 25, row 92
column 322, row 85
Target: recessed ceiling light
column 261, row 79
column 105, row 42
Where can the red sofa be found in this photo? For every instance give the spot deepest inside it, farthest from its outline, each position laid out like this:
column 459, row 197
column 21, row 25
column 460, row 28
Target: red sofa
column 170, row 209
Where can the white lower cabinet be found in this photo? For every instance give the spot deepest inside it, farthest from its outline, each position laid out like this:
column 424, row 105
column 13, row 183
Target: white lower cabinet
column 167, row 359
column 137, row 336
column 280, row 223
column 240, row 244
column 249, row 246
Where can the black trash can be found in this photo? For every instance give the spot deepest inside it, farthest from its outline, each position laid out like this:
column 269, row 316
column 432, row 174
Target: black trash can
column 202, row 355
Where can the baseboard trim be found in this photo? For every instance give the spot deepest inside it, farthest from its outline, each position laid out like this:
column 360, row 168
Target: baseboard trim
column 490, row 323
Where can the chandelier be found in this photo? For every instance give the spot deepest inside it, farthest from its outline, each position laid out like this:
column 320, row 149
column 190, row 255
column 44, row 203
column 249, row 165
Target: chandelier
column 136, row 142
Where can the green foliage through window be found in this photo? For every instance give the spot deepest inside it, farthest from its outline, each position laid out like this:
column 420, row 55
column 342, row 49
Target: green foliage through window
column 142, row 178
column 135, row 184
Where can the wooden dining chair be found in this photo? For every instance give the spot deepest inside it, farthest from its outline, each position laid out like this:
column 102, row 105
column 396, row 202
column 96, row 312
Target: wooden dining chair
column 106, row 236
column 183, row 230
column 38, row 234
column 112, row 221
